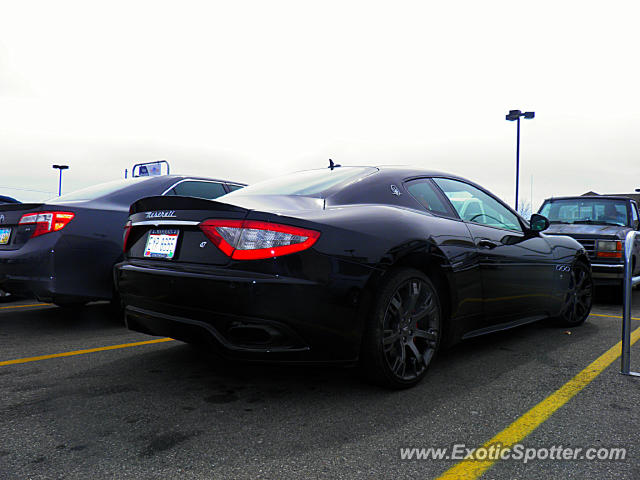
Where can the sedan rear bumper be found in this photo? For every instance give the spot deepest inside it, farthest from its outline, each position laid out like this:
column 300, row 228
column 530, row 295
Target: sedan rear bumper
column 53, row 269
column 29, row 270
column 247, row 315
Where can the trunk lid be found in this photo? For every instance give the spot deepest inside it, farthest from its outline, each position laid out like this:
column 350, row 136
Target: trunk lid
column 13, row 235
column 166, row 220
column 175, row 222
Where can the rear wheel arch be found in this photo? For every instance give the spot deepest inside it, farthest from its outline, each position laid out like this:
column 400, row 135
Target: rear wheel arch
column 434, row 265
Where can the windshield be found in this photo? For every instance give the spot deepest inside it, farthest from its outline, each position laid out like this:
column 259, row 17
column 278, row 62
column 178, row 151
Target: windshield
column 96, row 191
column 308, row 183
column 586, row 211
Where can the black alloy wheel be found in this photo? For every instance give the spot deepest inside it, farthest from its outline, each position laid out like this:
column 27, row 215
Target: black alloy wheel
column 405, row 329
column 578, row 298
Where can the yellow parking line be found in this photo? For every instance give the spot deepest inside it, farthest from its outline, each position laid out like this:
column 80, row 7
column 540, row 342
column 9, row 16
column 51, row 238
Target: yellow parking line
column 527, row 423
column 82, row 352
column 609, row 316
column 25, row 306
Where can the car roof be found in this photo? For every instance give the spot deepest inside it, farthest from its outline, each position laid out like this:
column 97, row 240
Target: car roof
column 589, row 197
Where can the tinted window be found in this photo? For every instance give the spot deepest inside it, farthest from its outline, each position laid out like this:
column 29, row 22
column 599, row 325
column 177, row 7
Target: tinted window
column 586, row 210
column 308, row 182
column 634, row 212
column 473, row 205
column 424, row 192
column 233, row 188
column 208, row 190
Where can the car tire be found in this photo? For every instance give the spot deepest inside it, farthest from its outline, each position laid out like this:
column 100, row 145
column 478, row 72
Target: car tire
column 578, row 299
column 402, row 333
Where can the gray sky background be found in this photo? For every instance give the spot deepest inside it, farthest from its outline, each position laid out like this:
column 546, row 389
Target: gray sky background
column 248, row 90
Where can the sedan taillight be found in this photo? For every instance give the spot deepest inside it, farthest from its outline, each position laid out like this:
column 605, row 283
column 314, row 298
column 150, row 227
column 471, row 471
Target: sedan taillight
column 253, row 240
column 46, row 222
column 125, row 236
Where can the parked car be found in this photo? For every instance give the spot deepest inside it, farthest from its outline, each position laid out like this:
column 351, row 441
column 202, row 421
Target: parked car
column 600, row 224
column 6, row 296
column 346, row 264
column 63, row 251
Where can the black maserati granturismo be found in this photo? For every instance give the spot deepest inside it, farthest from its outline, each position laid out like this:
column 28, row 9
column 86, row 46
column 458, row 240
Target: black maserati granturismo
column 380, row 266
column 63, row 250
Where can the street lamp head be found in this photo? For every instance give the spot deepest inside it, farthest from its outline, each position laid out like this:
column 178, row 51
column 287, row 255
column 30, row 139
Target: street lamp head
column 61, row 167
column 514, row 115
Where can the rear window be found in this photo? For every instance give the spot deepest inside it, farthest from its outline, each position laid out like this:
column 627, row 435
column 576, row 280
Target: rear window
column 198, row 189
column 311, row 183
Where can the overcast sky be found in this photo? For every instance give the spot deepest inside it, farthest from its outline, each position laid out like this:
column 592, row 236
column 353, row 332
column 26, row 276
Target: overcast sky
column 247, row 90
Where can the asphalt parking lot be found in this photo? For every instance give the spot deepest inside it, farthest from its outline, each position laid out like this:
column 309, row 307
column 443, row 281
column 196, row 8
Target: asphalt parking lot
column 166, row 410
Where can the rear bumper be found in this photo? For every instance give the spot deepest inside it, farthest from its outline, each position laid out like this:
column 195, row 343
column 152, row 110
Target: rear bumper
column 249, row 316
column 51, row 269
column 30, row 270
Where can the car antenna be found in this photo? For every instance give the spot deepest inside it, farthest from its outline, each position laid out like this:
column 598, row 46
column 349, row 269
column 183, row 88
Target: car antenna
column 333, row 165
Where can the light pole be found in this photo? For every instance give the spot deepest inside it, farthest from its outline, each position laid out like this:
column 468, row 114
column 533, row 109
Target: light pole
column 61, row 168
column 511, row 116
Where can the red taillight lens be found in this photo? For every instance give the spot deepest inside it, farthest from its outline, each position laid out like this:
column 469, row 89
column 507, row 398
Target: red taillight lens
column 253, row 240
column 125, row 235
column 46, row 222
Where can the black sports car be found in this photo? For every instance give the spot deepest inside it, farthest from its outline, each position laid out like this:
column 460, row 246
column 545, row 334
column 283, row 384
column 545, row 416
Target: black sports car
column 381, row 265
column 63, row 251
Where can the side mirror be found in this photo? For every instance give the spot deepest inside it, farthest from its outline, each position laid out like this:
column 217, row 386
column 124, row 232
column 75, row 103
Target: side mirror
column 538, row 223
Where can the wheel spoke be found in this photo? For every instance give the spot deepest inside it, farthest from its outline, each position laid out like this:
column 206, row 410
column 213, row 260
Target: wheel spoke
column 414, row 294
column 396, row 305
column 430, row 335
column 416, row 353
column 400, row 362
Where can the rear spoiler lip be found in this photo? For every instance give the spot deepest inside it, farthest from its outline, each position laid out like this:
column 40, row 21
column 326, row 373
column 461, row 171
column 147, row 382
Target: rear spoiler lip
column 12, row 207
column 157, row 203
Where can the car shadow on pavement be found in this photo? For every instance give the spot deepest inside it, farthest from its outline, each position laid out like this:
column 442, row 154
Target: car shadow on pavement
column 92, row 317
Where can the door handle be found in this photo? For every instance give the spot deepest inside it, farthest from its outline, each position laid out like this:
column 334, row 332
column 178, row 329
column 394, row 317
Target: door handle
column 487, row 244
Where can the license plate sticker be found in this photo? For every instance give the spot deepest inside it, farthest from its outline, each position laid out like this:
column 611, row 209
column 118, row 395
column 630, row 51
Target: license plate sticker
column 161, row 244
column 5, row 235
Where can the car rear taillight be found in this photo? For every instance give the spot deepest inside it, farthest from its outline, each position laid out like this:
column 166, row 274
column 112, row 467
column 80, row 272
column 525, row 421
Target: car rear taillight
column 125, row 235
column 46, row 222
column 253, row 240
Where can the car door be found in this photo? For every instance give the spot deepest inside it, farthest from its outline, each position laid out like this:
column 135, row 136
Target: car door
column 453, row 238
column 516, row 267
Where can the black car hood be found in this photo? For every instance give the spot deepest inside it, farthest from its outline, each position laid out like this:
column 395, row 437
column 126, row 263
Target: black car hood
column 582, row 230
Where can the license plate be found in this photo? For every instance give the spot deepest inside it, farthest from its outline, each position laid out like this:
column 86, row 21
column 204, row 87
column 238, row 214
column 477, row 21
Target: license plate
column 161, row 244
column 5, row 235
